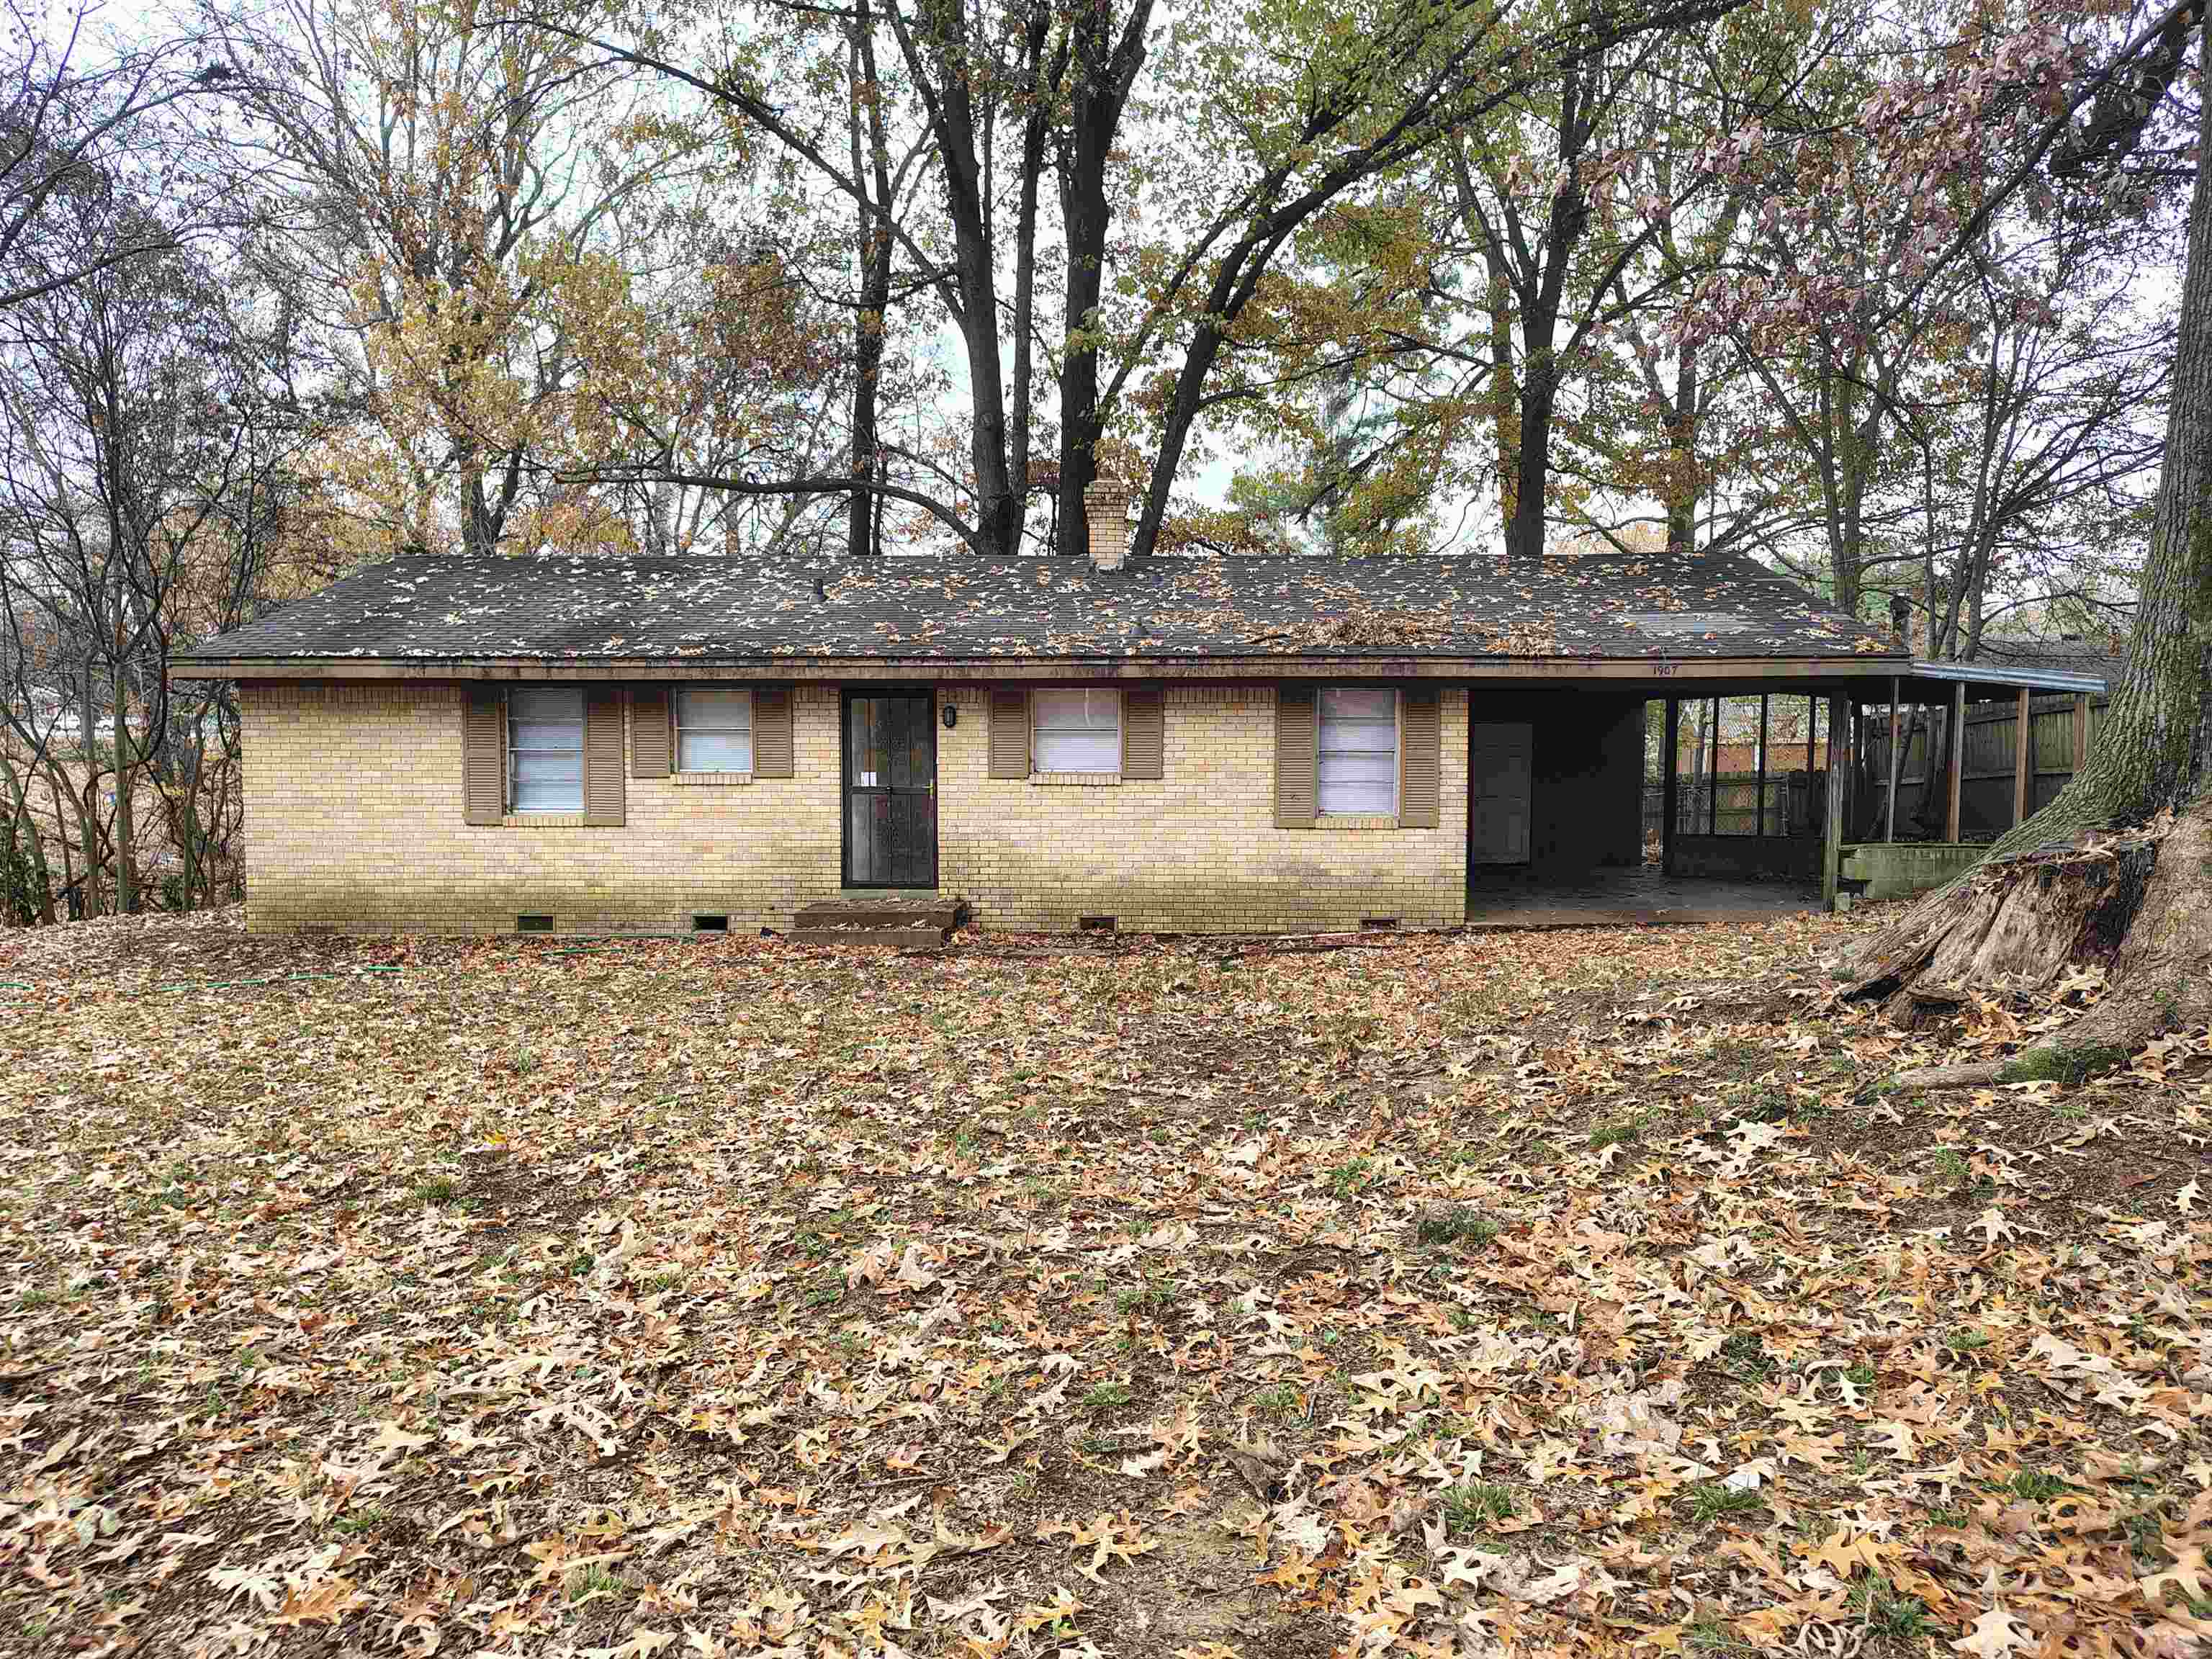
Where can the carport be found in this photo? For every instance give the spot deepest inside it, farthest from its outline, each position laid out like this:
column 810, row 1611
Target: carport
column 1941, row 761
column 1881, row 795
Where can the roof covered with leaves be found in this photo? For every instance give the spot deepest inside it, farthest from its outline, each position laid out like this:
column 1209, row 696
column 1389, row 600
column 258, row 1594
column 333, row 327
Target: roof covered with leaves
column 437, row 608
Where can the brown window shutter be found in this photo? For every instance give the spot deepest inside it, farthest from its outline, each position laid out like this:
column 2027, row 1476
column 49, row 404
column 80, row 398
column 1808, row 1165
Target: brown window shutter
column 603, row 754
column 1010, row 733
column 483, row 756
column 1144, row 732
column 648, row 732
column 1421, row 770
column 772, row 756
column 1296, row 763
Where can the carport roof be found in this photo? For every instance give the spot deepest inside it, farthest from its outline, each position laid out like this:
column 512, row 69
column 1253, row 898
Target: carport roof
column 1934, row 679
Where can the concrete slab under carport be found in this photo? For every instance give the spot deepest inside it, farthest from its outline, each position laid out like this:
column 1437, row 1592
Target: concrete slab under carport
column 1643, row 897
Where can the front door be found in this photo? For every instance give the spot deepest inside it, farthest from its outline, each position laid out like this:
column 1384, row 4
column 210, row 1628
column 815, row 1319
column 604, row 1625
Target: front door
column 891, row 790
column 1500, row 755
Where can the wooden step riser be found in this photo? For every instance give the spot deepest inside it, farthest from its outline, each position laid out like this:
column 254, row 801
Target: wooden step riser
column 903, row 939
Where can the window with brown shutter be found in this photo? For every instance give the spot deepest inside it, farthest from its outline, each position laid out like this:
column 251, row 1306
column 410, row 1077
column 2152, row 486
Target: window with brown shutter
column 1144, row 732
column 1010, row 733
column 773, row 755
column 1356, row 738
column 545, row 729
column 714, row 730
column 1075, row 729
column 1295, row 757
column 1420, row 758
column 603, row 755
column 648, row 732
column 484, row 759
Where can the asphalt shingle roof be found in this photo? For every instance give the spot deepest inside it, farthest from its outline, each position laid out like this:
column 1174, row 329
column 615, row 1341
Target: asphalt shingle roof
column 449, row 608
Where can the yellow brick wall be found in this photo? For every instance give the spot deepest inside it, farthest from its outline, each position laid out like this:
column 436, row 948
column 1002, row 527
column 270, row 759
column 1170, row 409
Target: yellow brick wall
column 1198, row 851
column 354, row 823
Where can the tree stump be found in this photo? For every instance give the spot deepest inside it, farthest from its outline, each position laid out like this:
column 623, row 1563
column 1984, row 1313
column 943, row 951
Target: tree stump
column 2138, row 904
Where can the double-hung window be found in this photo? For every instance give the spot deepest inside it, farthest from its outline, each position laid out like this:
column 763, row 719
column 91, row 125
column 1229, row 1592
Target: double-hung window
column 545, row 750
column 714, row 730
column 1359, row 770
column 1076, row 731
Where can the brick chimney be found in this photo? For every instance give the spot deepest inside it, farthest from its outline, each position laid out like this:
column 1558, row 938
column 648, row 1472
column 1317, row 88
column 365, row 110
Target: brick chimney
column 1106, row 518
column 1900, row 620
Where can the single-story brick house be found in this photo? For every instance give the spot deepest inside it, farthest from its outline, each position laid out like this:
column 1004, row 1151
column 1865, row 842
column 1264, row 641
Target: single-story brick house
column 453, row 744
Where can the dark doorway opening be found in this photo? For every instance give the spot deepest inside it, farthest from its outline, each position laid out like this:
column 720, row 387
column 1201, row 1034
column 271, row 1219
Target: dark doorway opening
column 890, row 789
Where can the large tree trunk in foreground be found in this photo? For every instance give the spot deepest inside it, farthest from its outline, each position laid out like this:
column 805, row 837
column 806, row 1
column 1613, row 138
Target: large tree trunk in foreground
column 2059, row 889
column 2139, row 905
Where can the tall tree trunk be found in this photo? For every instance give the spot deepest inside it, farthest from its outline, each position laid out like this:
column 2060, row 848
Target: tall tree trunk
column 1540, row 292
column 2153, row 749
column 1682, row 457
column 1540, row 378
column 69, row 861
column 950, row 100
column 23, row 828
column 185, row 817
column 2140, row 904
column 85, row 797
column 1853, row 465
column 863, row 506
column 873, row 240
column 1505, row 395
column 1036, row 130
column 1101, row 74
column 9, row 900
column 1524, row 530
column 1084, row 209
column 126, row 848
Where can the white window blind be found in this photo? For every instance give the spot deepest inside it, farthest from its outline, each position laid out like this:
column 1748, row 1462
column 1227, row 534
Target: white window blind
column 714, row 730
column 1078, row 730
column 1358, row 768
column 545, row 750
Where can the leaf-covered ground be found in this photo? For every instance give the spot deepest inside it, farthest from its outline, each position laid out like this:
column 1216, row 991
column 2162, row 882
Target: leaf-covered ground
column 1566, row 1292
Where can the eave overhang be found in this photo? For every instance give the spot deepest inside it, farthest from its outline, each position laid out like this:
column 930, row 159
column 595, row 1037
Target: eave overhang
column 1701, row 670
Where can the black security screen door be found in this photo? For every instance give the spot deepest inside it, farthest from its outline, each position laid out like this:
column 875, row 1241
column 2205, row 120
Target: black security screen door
column 891, row 790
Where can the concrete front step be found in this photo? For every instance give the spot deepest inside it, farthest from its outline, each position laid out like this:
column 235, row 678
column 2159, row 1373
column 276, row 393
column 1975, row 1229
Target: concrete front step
column 910, row 937
column 876, row 911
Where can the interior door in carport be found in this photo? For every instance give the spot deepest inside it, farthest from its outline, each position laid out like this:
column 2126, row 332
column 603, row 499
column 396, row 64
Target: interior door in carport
column 1500, row 755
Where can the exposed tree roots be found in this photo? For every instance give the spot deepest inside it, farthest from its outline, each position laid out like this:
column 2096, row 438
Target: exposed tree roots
column 2138, row 905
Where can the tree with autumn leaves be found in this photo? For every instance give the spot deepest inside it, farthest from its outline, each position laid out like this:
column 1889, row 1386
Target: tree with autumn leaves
column 517, row 263
column 1572, row 268
column 2119, row 867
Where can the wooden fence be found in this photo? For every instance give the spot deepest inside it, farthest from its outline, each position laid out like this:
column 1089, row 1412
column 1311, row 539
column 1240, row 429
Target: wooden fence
column 1985, row 792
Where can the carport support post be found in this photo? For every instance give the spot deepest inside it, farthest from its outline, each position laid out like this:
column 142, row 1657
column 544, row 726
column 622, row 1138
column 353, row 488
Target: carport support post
column 1832, row 851
column 1889, row 828
column 1670, row 795
column 2022, row 747
column 1812, row 726
column 2081, row 730
column 1713, row 773
column 1762, row 764
column 1958, row 747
